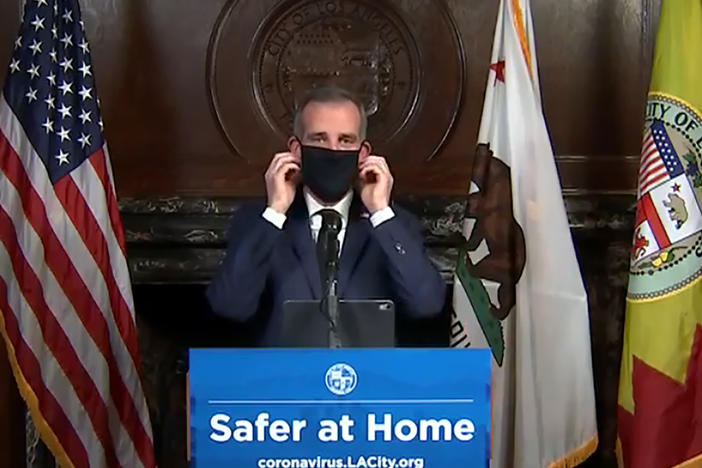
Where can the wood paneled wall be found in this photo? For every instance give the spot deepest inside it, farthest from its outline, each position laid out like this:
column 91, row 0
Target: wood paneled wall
column 151, row 65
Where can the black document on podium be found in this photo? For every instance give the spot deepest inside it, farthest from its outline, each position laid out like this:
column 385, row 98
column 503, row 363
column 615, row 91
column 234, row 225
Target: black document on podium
column 359, row 324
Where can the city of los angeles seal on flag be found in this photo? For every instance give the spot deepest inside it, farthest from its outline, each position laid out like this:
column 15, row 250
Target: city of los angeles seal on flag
column 667, row 243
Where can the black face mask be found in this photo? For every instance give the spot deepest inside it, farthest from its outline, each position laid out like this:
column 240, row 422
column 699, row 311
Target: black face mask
column 329, row 174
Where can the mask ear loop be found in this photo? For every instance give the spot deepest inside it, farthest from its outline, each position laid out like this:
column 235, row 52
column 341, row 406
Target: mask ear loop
column 297, row 139
column 366, row 144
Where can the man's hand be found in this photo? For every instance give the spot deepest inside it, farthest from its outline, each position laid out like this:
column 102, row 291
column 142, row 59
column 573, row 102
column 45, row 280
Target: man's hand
column 376, row 183
column 282, row 177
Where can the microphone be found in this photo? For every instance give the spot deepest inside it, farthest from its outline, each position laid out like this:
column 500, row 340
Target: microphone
column 329, row 239
column 328, row 245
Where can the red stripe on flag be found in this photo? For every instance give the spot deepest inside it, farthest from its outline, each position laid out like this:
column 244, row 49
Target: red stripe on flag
column 640, row 214
column 665, row 429
column 77, row 293
column 649, row 157
column 655, row 222
column 51, row 410
column 89, row 230
column 87, row 226
column 648, row 145
column 650, row 182
column 99, row 163
column 56, row 339
column 655, row 168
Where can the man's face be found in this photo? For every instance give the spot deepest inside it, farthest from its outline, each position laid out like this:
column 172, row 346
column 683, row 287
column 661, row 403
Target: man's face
column 332, row 125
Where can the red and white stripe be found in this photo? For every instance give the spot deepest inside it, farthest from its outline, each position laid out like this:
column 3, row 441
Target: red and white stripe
column 67, row 305
column 652, row 170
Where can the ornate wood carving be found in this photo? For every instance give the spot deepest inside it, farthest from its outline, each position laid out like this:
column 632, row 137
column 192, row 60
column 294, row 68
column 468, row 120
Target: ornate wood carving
column 381, row 50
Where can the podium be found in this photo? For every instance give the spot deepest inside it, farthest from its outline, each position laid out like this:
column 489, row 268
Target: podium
column 339, row 408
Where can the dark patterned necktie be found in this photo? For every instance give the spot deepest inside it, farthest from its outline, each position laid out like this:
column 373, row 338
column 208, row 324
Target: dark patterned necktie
column 327, row 240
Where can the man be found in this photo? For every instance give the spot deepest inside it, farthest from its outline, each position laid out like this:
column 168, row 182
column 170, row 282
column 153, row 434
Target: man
column 272, row 253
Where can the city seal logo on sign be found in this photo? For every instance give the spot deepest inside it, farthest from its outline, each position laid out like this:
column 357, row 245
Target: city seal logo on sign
column 667, row 245
column 341, row 379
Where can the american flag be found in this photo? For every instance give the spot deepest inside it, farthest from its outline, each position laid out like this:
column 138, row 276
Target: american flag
column 659, row 160
column 67, row 314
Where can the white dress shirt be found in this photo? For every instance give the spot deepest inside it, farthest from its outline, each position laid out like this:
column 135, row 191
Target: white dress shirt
column 313, row 207
column 341, row 207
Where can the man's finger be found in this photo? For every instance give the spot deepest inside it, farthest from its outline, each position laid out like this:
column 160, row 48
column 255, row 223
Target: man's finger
column 278, row 156
column 274, row 163
column 287, row 167
column 377, row 166
column 283, row 160
column 380, row 159
column 371, row 170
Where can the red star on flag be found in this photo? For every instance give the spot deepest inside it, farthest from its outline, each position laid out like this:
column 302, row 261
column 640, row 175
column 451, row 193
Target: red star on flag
column 499, row 69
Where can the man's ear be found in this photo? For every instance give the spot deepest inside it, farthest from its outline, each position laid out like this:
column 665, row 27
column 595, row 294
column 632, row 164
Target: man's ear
column 294, row 146
column 365, row 150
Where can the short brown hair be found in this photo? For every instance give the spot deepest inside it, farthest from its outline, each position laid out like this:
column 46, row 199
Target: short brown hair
column 328, row 94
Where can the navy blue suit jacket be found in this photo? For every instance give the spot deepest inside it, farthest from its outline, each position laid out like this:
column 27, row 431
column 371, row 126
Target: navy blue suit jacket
column 265, row 266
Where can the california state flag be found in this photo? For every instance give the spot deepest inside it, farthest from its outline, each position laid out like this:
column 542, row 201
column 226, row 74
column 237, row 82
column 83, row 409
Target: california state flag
column 522, row 295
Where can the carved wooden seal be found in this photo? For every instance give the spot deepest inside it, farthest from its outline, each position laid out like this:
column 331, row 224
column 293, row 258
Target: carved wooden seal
column 406, row 67
column 363, row 47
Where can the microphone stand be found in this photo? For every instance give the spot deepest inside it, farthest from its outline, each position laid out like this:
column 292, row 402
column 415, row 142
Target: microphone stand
column 331, row 298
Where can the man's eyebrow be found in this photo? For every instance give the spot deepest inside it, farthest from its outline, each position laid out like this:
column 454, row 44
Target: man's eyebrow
column 316, row 134
column 350, row 136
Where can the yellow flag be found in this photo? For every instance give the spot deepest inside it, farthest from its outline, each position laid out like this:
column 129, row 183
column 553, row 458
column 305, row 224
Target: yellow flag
column 660, row 390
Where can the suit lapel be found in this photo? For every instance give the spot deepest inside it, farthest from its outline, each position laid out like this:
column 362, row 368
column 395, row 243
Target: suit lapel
column 304, row 246
column 357, row 232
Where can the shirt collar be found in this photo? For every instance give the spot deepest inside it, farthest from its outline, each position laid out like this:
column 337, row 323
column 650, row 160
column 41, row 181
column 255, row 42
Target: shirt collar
column 342, row 206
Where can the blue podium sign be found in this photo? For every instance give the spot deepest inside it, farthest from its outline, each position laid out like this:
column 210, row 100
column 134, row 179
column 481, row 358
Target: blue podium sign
column 340, row 408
